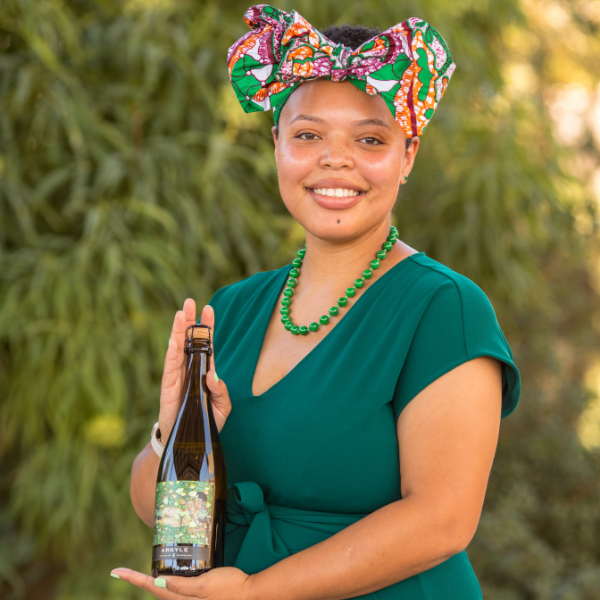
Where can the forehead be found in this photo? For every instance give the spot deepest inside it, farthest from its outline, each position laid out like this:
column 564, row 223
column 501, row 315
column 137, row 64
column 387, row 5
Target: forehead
column 336, row 102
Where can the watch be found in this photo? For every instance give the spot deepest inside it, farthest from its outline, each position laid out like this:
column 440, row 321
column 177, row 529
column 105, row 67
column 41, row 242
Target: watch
column 155, row 440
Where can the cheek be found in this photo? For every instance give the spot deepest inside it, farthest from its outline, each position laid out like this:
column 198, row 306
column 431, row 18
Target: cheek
column 297, row 158
column 381, row 169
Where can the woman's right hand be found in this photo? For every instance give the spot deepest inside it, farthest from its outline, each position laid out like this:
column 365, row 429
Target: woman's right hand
column 173, row 373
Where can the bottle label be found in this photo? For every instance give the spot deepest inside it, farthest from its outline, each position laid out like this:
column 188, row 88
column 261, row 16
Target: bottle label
column 183, row 512
column 180, row 552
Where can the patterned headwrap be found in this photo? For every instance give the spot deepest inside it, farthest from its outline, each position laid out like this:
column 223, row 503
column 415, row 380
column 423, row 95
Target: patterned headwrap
column 409, row 65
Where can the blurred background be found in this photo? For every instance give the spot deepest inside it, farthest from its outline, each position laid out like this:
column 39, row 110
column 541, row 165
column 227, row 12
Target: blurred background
column 131, row 179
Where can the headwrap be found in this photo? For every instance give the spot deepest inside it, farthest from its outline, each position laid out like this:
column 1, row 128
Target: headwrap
column 409, row 64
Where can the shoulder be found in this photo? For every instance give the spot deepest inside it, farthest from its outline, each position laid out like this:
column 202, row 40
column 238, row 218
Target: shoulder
column 437, row 281
column 450, row 301
column 454, row 321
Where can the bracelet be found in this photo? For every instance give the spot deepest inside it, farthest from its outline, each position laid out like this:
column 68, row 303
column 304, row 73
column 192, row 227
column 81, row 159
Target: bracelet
column 155, row 440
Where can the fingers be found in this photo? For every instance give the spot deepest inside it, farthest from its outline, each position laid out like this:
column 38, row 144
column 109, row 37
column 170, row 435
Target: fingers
column 221, row 403
column 208, row 318
column 171, row 368
column 146, row 582
column 183, row 319
column 189, row 309
column 186, row 587
column 174, row 357
column 218, row 392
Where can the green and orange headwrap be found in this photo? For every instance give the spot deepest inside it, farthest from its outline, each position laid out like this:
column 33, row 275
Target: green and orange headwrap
column 408, row 65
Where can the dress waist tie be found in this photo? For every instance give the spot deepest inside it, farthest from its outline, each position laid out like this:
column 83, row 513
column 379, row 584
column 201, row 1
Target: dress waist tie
column 258, row 535
column 272, row 532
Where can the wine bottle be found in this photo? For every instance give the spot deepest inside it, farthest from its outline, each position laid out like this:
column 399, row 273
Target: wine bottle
column 191, row 486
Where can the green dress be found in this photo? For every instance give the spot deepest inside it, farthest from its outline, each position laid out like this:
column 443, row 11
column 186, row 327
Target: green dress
column 318, row 450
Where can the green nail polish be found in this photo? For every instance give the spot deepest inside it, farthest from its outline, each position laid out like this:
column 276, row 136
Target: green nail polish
column 115, row 576
column 160, row 582
column 215, row 375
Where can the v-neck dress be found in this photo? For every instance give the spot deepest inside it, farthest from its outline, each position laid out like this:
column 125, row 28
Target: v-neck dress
column 318, row 450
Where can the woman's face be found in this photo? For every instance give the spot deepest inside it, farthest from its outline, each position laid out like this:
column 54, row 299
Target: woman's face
column 341, row 157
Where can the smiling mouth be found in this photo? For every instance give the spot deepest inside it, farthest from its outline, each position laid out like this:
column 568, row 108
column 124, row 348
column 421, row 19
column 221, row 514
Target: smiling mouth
column 336, row 192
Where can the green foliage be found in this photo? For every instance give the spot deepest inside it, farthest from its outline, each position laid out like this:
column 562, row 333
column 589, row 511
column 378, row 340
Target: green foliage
column 130, row 180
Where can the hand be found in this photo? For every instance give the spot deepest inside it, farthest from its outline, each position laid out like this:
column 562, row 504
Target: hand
column 222, row 583
column 173, row 373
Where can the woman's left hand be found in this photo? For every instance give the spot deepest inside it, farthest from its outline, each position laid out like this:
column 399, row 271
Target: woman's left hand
column 222, row 583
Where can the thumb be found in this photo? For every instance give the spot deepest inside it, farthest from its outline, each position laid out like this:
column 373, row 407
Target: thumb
column 219, row 396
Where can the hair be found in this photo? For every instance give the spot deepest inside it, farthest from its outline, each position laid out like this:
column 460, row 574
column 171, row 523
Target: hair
column 352, row 36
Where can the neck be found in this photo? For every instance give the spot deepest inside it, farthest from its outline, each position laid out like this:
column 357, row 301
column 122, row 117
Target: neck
column 336, row 264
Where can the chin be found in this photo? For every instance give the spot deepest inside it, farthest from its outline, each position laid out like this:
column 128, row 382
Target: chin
column 328, row 229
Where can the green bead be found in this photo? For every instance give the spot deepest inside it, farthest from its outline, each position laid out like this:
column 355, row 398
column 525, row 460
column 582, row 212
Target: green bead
column 367, row 274
column 350, row 292
column 388, row 246
column 324, row 320
column 314, row 327
column 294, row 273
column 301, row 253
column 289, row 292
column 342, row 301
column 288, row 325
column 297, row 262
column 291, row 283
column 295, row 329
column 285, row 318
column 303, row 330
column 375, row 264
column 284, row 310
column 333, row 311
column 381, row 254
column 286, row 301
column 393, row 229
column 359, row 283
column 392, row 238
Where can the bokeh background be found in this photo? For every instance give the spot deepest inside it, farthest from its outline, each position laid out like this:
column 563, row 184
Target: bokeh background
column 131, row 179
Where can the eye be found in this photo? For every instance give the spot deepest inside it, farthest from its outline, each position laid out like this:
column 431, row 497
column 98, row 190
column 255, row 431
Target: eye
column 373, row 141
column 300, row 136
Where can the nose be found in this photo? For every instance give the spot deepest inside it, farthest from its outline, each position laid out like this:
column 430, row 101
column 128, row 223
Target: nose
column 336, row 155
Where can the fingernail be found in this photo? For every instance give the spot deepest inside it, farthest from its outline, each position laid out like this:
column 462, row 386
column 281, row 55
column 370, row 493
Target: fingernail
column 215, row 376
column 115, row 576
column 170, row 342
column 160, row 582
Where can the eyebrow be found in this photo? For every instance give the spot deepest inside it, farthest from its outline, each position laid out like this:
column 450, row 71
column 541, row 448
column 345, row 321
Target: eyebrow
column 372, row 122
column 362, row 123
column 307, row 118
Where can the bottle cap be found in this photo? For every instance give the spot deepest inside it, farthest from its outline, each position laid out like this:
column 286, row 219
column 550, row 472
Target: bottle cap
column 198, row 332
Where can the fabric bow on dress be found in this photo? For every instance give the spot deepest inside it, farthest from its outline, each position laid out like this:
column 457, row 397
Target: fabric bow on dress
column 258, row 534
column 408, row 65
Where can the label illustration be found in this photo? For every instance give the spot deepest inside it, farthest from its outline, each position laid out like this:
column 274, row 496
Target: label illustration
column 183, row 512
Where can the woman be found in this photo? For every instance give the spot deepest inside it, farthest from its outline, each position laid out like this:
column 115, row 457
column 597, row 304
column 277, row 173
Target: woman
column 358, row 447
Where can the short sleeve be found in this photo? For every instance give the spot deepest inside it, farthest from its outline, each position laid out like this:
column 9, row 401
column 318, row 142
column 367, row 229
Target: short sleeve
column 457, row 324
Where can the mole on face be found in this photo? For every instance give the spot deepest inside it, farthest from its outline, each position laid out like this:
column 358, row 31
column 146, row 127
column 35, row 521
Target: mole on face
column 338, row 220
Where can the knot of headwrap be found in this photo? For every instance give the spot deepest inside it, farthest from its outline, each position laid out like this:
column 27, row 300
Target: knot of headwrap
column 408, row 65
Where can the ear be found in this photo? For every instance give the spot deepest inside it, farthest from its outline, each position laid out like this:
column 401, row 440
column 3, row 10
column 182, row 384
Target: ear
column 274, row 132
column 410, row 155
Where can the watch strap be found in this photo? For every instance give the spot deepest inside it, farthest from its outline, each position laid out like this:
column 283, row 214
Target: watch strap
column 155, row 440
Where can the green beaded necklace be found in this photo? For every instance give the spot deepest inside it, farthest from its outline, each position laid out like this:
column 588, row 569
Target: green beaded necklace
column 292, row 282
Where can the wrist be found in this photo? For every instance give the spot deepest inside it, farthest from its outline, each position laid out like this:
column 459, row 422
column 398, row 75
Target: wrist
column 165, row 425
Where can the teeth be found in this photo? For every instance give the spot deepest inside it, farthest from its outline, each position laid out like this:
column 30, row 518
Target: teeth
column 337, row 193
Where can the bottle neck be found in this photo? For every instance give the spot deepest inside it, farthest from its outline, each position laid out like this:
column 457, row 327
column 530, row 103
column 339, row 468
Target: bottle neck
column 196, row 345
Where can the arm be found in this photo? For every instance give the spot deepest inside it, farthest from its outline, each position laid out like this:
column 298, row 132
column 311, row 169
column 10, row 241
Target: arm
column 447, row 438
column 145, row 466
